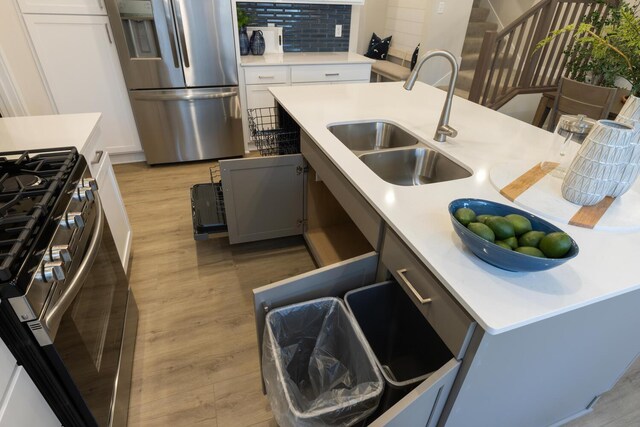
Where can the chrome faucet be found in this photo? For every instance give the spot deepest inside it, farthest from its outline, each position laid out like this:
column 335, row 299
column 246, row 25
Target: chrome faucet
column 444, row 130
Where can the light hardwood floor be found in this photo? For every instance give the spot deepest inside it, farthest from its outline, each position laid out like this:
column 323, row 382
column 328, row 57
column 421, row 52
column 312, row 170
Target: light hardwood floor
column 196, row 360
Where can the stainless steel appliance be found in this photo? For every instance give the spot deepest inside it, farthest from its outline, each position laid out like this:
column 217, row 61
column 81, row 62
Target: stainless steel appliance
column 179, row 62
column 74, row 319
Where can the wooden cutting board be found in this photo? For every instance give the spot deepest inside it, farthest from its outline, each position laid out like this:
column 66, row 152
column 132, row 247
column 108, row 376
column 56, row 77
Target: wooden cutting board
column 540, row 192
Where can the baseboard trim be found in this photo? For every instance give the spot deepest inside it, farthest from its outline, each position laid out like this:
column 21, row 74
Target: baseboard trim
column 120, row 158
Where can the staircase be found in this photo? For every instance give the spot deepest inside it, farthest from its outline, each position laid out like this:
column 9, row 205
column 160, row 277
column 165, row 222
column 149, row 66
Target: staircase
column 476, row 28
column 478, row 25
column 497, row 66
column 508, row 63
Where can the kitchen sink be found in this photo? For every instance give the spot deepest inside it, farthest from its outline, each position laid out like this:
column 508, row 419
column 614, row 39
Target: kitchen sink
column 372, row 136
column 416, row 166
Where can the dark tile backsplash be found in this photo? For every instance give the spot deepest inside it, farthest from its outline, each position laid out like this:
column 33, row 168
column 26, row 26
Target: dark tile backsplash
column 307, row 27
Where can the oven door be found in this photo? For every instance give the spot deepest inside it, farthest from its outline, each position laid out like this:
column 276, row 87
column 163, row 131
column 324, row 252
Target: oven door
column 84, row 326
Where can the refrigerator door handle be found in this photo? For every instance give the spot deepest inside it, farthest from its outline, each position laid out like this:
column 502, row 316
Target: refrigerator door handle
column 172, row 35
column 183, row 40
column 173, row 97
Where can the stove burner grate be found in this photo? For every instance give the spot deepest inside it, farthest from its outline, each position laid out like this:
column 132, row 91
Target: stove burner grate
column 30, row 184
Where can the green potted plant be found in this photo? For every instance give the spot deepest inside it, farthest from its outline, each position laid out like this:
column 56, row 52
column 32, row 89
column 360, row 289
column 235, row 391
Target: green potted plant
column 605, row 46
column 243, row 20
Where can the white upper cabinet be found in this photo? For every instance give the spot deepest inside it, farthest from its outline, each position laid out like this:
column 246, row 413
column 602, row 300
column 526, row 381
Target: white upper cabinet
column 63, row 7
column 81, row 68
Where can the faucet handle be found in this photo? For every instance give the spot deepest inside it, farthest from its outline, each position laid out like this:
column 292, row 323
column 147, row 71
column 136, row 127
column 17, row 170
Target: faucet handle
column 447, row 130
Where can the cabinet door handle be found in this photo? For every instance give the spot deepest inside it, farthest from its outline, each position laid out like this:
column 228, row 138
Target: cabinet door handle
column 402, row 273
column 331, row 74
column 100, row 4
column 106, row 28
column 97, row 157
column 266, row 77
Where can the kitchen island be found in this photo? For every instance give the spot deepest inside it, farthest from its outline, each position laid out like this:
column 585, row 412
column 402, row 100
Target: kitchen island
column 547, row 344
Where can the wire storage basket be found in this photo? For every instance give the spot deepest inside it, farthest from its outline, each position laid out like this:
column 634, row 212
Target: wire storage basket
column 273, row 131
column 218, row 195
column 207, row 206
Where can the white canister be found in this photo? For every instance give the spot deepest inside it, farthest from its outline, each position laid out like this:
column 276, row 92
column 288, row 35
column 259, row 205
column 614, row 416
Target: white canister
column 630, row 115
column 598, row 167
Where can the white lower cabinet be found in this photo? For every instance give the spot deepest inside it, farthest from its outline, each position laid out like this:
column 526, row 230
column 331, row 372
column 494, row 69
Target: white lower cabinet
column 258, row 96
column 80, row 65
column 7, row 365
column 330, row 73
column 114, row 209
column 23, row 405
column 257, row 81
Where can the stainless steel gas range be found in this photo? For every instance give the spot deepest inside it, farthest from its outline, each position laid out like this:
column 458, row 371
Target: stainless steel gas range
column 66, row 311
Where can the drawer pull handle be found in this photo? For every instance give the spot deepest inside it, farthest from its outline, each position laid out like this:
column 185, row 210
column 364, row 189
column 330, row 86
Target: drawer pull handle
column 331, row 74
column 98, row 157
column 266, row 77
column 415, row 292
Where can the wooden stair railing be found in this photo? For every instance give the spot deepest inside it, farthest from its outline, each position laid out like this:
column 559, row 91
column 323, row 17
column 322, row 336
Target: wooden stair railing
column 509, row 65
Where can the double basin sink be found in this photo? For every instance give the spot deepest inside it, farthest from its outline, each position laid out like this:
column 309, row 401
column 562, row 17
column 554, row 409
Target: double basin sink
column 395, row 155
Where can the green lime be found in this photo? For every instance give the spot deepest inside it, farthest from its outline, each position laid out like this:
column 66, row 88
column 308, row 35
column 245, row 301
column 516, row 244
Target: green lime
column 528, row 250
column 531, row 238
column 465, row 216
column 555, row 245
column 503, row 244
column 483, row 218
column 501, row 227
column 511, row 241
column 520, row 224
column 482, row 231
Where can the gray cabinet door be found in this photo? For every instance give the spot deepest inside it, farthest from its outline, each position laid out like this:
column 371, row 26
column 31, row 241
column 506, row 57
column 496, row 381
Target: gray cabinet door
column 423, row 405
column 330, row 281
column 263, row 197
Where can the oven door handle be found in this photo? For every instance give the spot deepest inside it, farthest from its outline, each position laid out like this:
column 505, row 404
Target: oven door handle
column 54, row 316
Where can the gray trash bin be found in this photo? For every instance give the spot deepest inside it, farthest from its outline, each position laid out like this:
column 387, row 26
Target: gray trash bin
column 317, row 368
column 406, row 347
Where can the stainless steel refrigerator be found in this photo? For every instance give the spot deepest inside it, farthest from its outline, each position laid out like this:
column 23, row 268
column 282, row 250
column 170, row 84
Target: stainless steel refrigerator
column 179, row 62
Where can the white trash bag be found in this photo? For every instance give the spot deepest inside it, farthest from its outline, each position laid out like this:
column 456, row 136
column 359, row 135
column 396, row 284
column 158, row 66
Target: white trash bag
column 317, row 368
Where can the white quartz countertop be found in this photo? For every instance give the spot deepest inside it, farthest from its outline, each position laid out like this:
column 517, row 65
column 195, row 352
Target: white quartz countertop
column 304, row 58
column 608, row 263
column 37, row 132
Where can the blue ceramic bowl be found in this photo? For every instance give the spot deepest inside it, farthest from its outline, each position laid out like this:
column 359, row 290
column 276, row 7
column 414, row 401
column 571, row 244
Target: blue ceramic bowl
column 494, row 254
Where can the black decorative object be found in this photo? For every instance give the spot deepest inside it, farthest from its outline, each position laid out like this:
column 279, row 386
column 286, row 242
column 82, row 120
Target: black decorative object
column 414, row 57
column 244, row 42
column 378, row 47
column 257, row 43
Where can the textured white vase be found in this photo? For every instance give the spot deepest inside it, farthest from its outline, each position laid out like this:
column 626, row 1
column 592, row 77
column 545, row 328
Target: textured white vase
column 630, row 115
column 630, row 112
column 597, row 169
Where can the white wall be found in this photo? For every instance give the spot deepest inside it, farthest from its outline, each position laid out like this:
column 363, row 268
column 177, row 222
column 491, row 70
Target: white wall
column 19, row 61
column 372, row 16
column 443, row 31
column 405, row 21
column 522, row 107
column 504, row 12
